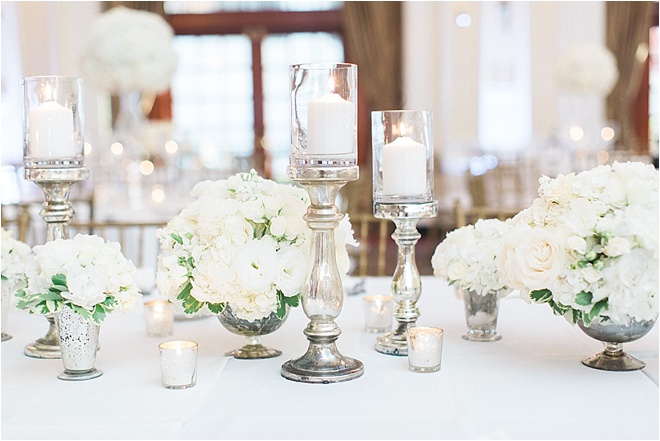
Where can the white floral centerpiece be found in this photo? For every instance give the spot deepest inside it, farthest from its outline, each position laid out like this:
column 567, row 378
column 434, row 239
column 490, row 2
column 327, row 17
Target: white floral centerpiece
column 587, row 68
column 130, row 50
column 243, row 242
column 16, row 255
column 588, row 246
column 86, row 273
column 467, row 257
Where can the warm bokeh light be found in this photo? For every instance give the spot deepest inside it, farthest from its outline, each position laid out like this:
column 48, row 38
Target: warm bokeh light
column 146, row 167
column 576, row 133
column 171, row 146
column 602, row 156
column 88, row 148
column 158, row 193
column 117, row 148
column 607, row 133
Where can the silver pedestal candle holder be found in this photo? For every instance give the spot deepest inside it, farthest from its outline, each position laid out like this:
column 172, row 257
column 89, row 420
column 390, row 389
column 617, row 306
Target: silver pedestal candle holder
column 323, row 159
column 406, row 283
column 403, row 192
column 53, row 155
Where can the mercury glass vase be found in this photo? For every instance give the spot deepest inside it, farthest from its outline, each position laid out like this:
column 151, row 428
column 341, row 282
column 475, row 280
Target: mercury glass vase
column 481, row 315
column 79, row 339
column 252, row 330
column 613, row 358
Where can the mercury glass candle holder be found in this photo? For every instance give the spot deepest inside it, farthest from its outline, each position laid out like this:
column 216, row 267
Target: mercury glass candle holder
column 53, row 157
column 403, row 192
column 323, row 159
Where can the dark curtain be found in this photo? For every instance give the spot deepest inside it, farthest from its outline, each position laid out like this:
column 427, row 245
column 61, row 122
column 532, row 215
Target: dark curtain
column 627, row 25
column 372, row 36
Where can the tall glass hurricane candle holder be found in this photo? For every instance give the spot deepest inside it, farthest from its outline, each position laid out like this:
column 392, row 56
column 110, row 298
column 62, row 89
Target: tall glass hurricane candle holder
column 323, row 158
column 53, row 156
column 402, row 144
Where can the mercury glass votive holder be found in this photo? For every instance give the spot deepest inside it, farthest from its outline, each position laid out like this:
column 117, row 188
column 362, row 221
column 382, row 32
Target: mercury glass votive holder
column 377, row 313
column 323, row 114
column 178, row 364
column 425, row 348
column 402, row 145
column 53, row 122
column 159, row 317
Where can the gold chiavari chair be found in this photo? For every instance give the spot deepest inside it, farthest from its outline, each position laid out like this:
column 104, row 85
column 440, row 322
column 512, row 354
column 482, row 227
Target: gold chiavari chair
column 470, row 215
column 373, row 235
column 16, row 217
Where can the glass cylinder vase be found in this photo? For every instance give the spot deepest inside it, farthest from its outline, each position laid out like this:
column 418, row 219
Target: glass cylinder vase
column 402, row 145
column 323, row 114
column 53, row 122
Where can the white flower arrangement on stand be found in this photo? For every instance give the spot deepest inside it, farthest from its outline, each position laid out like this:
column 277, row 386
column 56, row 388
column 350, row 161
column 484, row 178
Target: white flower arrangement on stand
column 587, row 68
column 467, row 257
column 588, row 246
column 86, row 273
column 130, row 50
column 243, row 242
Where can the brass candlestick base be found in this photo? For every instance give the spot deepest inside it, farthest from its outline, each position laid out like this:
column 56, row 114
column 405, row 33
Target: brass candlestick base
column 406, row 283
column 322, row 294
column 57, row 211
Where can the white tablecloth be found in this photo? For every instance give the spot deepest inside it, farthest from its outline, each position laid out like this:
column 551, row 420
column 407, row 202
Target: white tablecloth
column 529, row 385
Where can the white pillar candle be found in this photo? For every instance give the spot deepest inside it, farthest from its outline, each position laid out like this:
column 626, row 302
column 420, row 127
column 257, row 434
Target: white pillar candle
column 404, row 167
column 51, row 131
column 330, row 125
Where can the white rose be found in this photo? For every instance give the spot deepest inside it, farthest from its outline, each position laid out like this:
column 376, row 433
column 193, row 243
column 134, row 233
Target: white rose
column 531, row 259
column 577, row 244
column 291, row 271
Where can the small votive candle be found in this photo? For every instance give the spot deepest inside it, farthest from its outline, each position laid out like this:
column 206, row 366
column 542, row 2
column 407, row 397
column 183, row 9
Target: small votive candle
column 424, row 348
column 159, row 317
column 178, row 364
column 377, row 313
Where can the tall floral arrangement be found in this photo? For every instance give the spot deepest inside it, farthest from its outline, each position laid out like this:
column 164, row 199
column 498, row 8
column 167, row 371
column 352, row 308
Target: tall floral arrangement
column 467, row 257
column 16, row 255
column 130, row 50
column 87, row 274
column 242, row 242
column 587, row 68
column 588, row 245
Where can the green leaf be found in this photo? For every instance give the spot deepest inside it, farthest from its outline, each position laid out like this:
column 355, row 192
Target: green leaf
column 176, row 238
column 597, row 308
column 583, row 298
column 541, row 295
column 59, row 279
column 185, row 291
column 80, row 310
column 292, row 301
column 216, row 308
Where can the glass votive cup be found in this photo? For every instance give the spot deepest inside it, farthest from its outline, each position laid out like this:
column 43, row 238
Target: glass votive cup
column 424, row 348
column 159, row 317
column 377, row 313
column 178, row 364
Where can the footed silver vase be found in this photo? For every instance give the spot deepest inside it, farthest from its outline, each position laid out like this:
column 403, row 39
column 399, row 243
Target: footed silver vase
column 79, row 340
column 613, row 358
column 252, row 331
